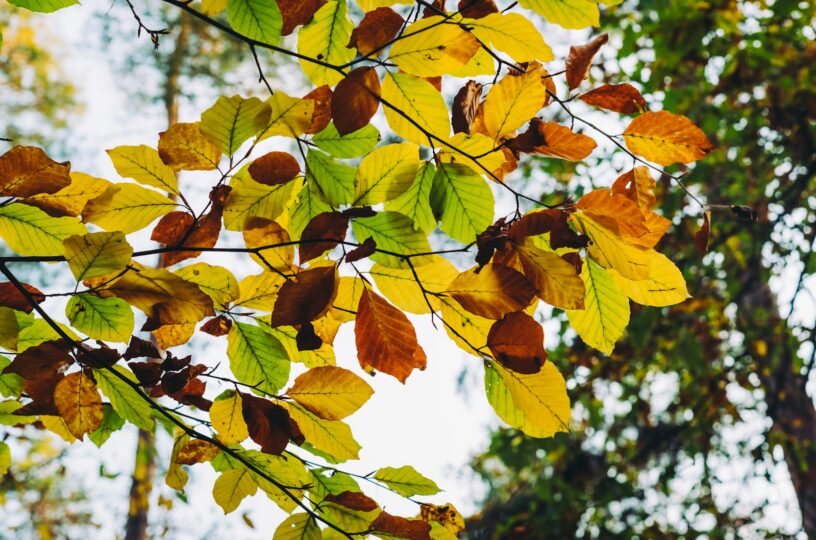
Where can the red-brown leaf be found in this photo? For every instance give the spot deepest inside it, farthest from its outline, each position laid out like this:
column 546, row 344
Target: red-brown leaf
column 412, row 529
column 268, row 423
column 141, row 348
column 465, row 106
column 621, row 98
column 376, row 30
column 322, row 98
column 580, row 58
column 366, row 249
column 11, row 297
column 297, row 12
column 353, row 500
column 702, row 238
column 476, row 9
column 552, row 139
column 27, row 171
column 42, row 361
column 306, row 339
column 386, row 339
column 517, row 342
column 172, row 227
column 274, row 168
column 217, row 326
column 356, row 99
column 331, row 226
column 306, row 296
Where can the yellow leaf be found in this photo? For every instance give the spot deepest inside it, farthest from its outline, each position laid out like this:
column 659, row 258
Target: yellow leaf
column 612, row 252
column 537, row 404
column 605, row 316
column 326, row 37
column 419, row 101
column 400, row 285
column 298, row 527
column 371, row 5
column 665, row 285
column 31, row 232
column 349, row 291
column 233, row 120
column 250, row 199
column 56, row 425
column 330, row 392
column 432, row 47
column 231, row 487
column 79, row 404
column 97, row 254
column 70, row 200
column 332, row 437
column 513, row 34
column 514, row 100
column 476, row 151
column 143, row 164
column 184, row 147
column 570, row 14
column 666, row 138
column 289, row 117
column 260, row 291
column 555, row 279
column 211, row 8
column 127, row 208
column 482, row 63
column 228, row 419
column 215, row 281
column 385, row 173
column 492, row 292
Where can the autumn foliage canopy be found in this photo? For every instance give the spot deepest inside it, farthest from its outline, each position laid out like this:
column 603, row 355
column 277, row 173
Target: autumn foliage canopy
column 353, row 225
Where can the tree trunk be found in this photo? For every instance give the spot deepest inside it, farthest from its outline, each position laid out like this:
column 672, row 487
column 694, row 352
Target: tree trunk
column 144, row 468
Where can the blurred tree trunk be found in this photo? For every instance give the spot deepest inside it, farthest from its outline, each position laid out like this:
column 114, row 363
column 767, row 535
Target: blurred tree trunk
column 144, row 468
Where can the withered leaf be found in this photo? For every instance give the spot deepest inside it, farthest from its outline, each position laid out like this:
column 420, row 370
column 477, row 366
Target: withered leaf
column 621, row 98
column 274, row 168
column 172, row 227
column 555, row 140
column 466, row 106
column 330, row 226
column 184, row 147
column 354, row 500
column 42, row 361
column 702, row 238
column 492, row 292
column 356, row 99
column 268, row 423
column 322, row 98
column 11, row 297
column 297, row 12
column 217, row 326
column 376, row 30
column 196, row 451
column 412, row 529
column 306, row 339
column 306, row 296
column 79, row 404
column 580, row 59
column 517, row 342
column 141, row 348
column 476, row 9
column 366, row 249
column 147, row 373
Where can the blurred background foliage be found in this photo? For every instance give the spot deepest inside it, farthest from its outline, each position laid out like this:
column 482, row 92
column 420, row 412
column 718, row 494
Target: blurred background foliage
column 704, row 414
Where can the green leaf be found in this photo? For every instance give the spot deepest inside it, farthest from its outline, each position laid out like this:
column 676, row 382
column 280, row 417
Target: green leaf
column 11, row 385
column 40, row 330
column 332, row 438
column 215, row 281
column 127, row 208
column 386, row 173
column 257, row 358
column 144, row 165
column 406, row 481
column 31, row 232
column 355, row 144
column 334, row 179
column 309, row 204
column 97, row 254
column 111, row 422
column 260, row 20
column 287, row 335
column 5, row 458
column 107, row 319
column 249, row 199
column 43, row 6
column 7, row 416
column 415, row 203
column 126, row 401
column 606, row 312
column 298, row 527
column 392, row 232
column 326, row 37
column 467, row 202
column 233, row 120
column 231, row 487
column 9, row 328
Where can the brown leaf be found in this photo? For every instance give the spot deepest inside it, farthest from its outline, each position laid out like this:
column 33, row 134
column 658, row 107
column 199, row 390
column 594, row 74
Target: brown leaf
column 552, row 139
column 171, row 363
column 217, row 326
column 536, row 223
column 366, row 249
column 196, row 451
column 297, row 12
column 621, row 98
column 702, row 238
column 42, row 361
column 412, row 529
column 274, row 168
column 205, row 231
column 465, row 106
column 41, row 392
column 386, row 339
column 268, row 423
column 436, row 7
column 184, row 147
column 580, row 59
column 27, row 171
column 99, row 358
column 322, row 97
column 148, row 373
column 492, row 292
column 356, row 99
column 354, row 500
column 306, row 339
column 172, row 227
column 491, row 239
column 11, row 297
column 306, row 296
column 175, row 381
column 328, row 225
column 476, row 9
column 517, row 342
column 141, row 348
column 376, row 30
column 446, row 515
column 79, row 404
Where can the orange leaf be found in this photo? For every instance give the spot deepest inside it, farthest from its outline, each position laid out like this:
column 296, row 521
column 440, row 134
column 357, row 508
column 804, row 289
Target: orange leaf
column 552, row 139
column 637, row 184
column 172, row 227
column 11, row 297
column 274, row 168
column 217, row 326
column 666, row 138
column 580, row 58
column 297, row 12
column 184, row 147
column 465, row 106
column 27, row 171
column 377, row 28
column 493, row 291
column 386, row 339
column 328, row 225
column 322, row 98
column 354, row 500
column 517, row 342
column 412, row 529
column 556, row 280
column 306, row 296
column 79, row 404
column 614, row 211
column 356, row 99
column 622, row 98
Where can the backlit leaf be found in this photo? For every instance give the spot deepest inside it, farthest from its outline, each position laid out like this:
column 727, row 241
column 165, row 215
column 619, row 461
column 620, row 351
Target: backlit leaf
column 233, row 120
column 326, row 37
column 514, row 100
column 406, row 481
column 431, row 47
column 143, row 164
column 79, row 404
column 467, row 202
column 492, row 292
column 332, row 393
column 356, row 99
column 30, row 231
column 97, row 254
column 125, row 400
column 184, row 147
column 109, row 319
column 353, row 145
column 227, row 418
column 232, row 487
column 666, row 138
column 385, row 173
column 605, row 316
column 257, row 358
column 417, row 106
column 513, row 34
column 256, row 19
column 570, row 14
column 127, row 208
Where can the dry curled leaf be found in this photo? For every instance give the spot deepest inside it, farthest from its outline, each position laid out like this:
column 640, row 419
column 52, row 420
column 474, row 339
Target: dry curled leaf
column 621, row 98
column 580, row 59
